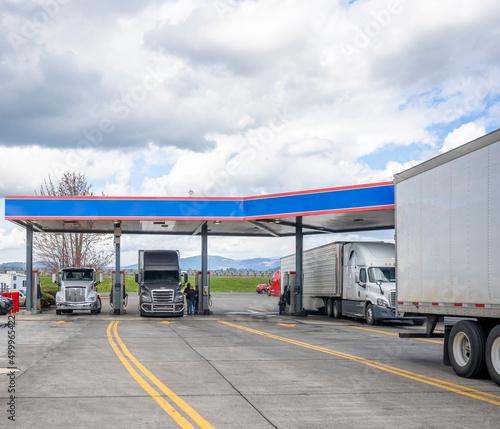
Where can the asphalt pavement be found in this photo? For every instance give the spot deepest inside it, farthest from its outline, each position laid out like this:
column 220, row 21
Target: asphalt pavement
column 244, row 366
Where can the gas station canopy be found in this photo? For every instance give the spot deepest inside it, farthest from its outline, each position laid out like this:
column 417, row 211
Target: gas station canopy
column 333, row 210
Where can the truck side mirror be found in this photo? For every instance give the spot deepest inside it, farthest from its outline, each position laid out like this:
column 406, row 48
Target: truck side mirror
column 184, row 277
column 356, row 277
column 136, row 277
column 101, row 279
column 54, row 278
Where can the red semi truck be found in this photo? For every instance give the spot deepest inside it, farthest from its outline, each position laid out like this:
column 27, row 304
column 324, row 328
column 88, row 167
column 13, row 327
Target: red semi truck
column 275, row 284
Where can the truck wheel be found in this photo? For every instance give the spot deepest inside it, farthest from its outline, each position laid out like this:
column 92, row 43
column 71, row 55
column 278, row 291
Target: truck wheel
column 466, row 348
column 493, row 354
column 268, row 292
column 337, row 309
column 329, row 307
column 99, row 305
column 369, row 316
column 58, row 312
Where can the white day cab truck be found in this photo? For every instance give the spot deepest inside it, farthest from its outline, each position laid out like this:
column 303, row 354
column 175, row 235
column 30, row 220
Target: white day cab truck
column 448, row 252
column 77, row 290
column 356, row 279
column 160, row 283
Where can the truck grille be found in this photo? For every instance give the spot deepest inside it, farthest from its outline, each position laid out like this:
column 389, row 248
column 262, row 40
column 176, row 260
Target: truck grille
column 392, row 299
column 163, row 295
column 75, row 294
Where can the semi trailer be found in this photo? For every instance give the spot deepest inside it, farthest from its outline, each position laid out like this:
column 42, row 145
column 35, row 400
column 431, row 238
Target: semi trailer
column 160, row 283
column 77, row 290
column 448, row 252
column 355, row 279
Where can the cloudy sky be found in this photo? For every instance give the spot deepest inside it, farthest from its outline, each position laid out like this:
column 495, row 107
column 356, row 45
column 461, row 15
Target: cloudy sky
column 236, row 98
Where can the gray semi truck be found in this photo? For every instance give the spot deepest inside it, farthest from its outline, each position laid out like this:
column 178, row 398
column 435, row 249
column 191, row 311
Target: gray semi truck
column 77, row 290
column 160, row 283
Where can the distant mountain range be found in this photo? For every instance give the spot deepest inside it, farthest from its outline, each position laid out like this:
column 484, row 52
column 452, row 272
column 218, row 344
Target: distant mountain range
column 221, row 263
column 194, row 263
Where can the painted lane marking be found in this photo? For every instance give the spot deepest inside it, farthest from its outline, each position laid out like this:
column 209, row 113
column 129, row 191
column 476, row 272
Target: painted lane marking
column 166, row 322
column 202, row 423
column 392, row 333
column 8, row 370
column 258, row 309
column 462, row 390
column 60, row 321
column 286, row 324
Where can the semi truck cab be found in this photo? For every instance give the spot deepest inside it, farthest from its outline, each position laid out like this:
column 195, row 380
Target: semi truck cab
column 77, row 290
column 160, row 283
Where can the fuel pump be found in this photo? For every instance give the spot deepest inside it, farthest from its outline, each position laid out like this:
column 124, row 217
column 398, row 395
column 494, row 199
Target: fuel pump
column 36, row 294
column 289, row 290
column 118, row 299
column 204, row 297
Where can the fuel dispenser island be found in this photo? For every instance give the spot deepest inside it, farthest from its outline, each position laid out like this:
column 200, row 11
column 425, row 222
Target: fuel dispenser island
column 118, row 298
column 288, row 297
column 204, row 297
column 35, row 294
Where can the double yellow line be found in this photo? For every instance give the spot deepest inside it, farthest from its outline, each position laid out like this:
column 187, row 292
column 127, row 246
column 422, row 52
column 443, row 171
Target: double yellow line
column 123, row 354
column 462, row 390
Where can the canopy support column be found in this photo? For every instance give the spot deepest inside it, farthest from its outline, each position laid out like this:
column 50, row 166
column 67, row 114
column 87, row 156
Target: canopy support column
column 205, row 287
column 299, row 246
column 30, row 292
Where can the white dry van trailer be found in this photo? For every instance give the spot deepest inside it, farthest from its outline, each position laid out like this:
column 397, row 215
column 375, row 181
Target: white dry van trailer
column 354, row 279
column 448, row 251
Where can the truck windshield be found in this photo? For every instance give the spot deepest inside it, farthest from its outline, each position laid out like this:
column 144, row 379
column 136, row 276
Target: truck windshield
column 382, row 274
column 161, row 276
column 77, row 275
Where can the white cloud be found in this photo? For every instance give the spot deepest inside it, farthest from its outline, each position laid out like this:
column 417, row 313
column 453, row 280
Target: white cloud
column 464, row 134
column 238, row 98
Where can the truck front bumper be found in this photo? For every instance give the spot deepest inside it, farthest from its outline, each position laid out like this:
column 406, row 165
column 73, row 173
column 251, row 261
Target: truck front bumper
column 386, row 313
column 171, row 308
column 75, row 305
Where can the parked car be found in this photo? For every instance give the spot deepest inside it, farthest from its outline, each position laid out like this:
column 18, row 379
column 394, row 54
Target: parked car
column 262, row 288
column 6, row 304
column 22, row 299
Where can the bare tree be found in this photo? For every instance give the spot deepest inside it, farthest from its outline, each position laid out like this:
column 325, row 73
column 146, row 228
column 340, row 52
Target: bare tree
column 69, row 249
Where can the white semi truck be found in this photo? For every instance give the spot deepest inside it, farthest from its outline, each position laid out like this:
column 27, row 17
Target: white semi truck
column 77, row 290
column 356, row 279
column 448, row 252
column 160, row 283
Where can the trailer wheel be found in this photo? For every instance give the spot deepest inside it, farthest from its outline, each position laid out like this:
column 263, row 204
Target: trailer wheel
column 337, row 309
column 329, row 307
column 466, row 348
column 493, row 354
column 58, row 312
column 369, row 316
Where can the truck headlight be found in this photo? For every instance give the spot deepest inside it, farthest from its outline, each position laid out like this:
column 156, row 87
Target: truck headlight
column 179, row 298
column 92, row 298
column 382, row 302
column 145, row 297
